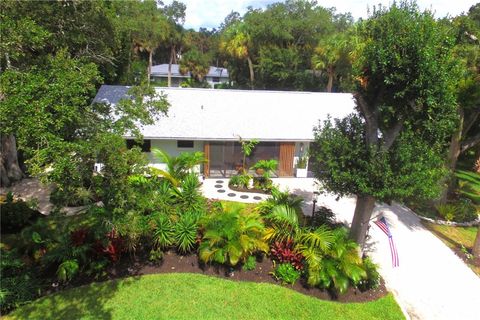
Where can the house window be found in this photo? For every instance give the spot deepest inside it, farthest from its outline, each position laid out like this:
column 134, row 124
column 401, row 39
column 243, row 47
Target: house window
column 185, row 144
column 215, row 79
column 145, row 145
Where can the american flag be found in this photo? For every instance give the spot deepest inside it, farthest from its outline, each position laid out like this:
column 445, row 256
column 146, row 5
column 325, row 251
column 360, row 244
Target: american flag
column 382, row 224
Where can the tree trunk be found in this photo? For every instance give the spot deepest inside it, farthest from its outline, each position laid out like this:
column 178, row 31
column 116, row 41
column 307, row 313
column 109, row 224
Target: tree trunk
column 172, row 55
column 252, row 75
column 476, row 245
column 453, row 153
column 10, row 169
column 150, row 59
column 361, row 218
column 330, row 79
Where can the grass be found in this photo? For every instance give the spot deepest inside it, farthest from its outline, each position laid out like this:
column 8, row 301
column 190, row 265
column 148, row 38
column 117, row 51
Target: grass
column 456, row 238
column 193, row 296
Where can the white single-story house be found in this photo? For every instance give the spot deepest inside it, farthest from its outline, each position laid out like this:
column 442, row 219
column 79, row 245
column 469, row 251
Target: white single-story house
column 214, row 76
column 212, row 121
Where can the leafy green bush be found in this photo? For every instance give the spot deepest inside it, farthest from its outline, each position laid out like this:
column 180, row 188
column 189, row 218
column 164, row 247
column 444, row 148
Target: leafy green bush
column 232, row 236
column 250, row 264
column 15, row 215
column 466, row 211
column 240, row 181
column 447, row 211
column 302, row 162
column 286, row 273
column 266, row 167
column 19, row 284
column 462, row 211
column 71, row 197
column 372, row 281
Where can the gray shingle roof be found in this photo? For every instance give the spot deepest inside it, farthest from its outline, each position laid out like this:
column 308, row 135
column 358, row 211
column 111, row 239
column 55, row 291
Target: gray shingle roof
column 161, row 70
column 215, row 114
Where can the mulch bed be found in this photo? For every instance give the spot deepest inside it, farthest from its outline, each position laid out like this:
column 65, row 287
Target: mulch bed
column 253, row 190
column 173, row 262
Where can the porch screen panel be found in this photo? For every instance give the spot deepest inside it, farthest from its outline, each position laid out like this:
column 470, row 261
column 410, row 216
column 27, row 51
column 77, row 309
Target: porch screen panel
column 285, row 163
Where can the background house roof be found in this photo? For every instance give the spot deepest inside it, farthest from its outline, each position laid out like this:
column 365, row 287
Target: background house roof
column 217, row 114
column 161, row 70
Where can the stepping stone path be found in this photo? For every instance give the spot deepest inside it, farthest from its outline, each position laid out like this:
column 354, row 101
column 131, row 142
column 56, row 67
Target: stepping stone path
column 218, row 186
column 219, row 181
column 221, row 191
column 244, row 196
column 257, row 198
column 231, row 194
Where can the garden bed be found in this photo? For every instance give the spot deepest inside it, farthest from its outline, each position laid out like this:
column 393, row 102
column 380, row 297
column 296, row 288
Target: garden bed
column 175, row 263
column 252, row 190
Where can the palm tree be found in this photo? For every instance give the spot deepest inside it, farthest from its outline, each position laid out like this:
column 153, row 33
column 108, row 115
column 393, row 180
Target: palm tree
column 149, row 30
column 328, row 54
column 178, row 167
column 237, row 43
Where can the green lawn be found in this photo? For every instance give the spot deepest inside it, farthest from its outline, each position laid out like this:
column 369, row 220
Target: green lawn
column 193, row 296
column 455, row 238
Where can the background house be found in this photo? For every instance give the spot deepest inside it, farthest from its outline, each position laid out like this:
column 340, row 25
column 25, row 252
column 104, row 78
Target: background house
column 211, row 121
column 215, row 75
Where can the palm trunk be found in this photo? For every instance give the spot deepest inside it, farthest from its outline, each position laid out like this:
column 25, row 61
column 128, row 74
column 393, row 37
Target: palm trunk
column 252, row 75
column 150, row 62
column 330, row 79
column 169, row 79
column 9, row 168
column 476, row 245
column 361, row 218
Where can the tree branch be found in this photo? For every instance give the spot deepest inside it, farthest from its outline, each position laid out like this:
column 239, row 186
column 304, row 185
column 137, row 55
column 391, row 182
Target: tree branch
column 469, row 143
column 471, row 120
column 392, row 134
column 370, row 119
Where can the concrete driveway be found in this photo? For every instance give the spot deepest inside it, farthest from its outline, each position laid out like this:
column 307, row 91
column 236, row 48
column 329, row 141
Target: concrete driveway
column 431, row 283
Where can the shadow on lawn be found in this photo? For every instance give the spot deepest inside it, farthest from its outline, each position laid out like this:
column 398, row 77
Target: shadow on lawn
column 90, row 301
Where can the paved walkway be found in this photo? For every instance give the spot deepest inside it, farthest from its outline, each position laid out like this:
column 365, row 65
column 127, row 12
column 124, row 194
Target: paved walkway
column 431, row 283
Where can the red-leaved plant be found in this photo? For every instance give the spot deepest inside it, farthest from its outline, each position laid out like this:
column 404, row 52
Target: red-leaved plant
column 78, row 237
column 114, row 247
column 284, row 252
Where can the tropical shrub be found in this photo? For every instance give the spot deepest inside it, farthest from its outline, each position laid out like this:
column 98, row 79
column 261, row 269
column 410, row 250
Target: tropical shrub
column 185, row 232
column 323, row 216
column 240, row 181
column 372, row 281
column 177, row 167
column 447, row 211
column 231, row 236
column 189, row 196
column 284, row 252
column 19, row 284
column 466, row 211
column 462, row 211
column 15, row 214
column 286, row 273
column 163, row 231
column 266, row 167
column 72, row 197
column 262, row 183
column 331, row 258
column 282, row 224
column 281, row 198
column 250, row 264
